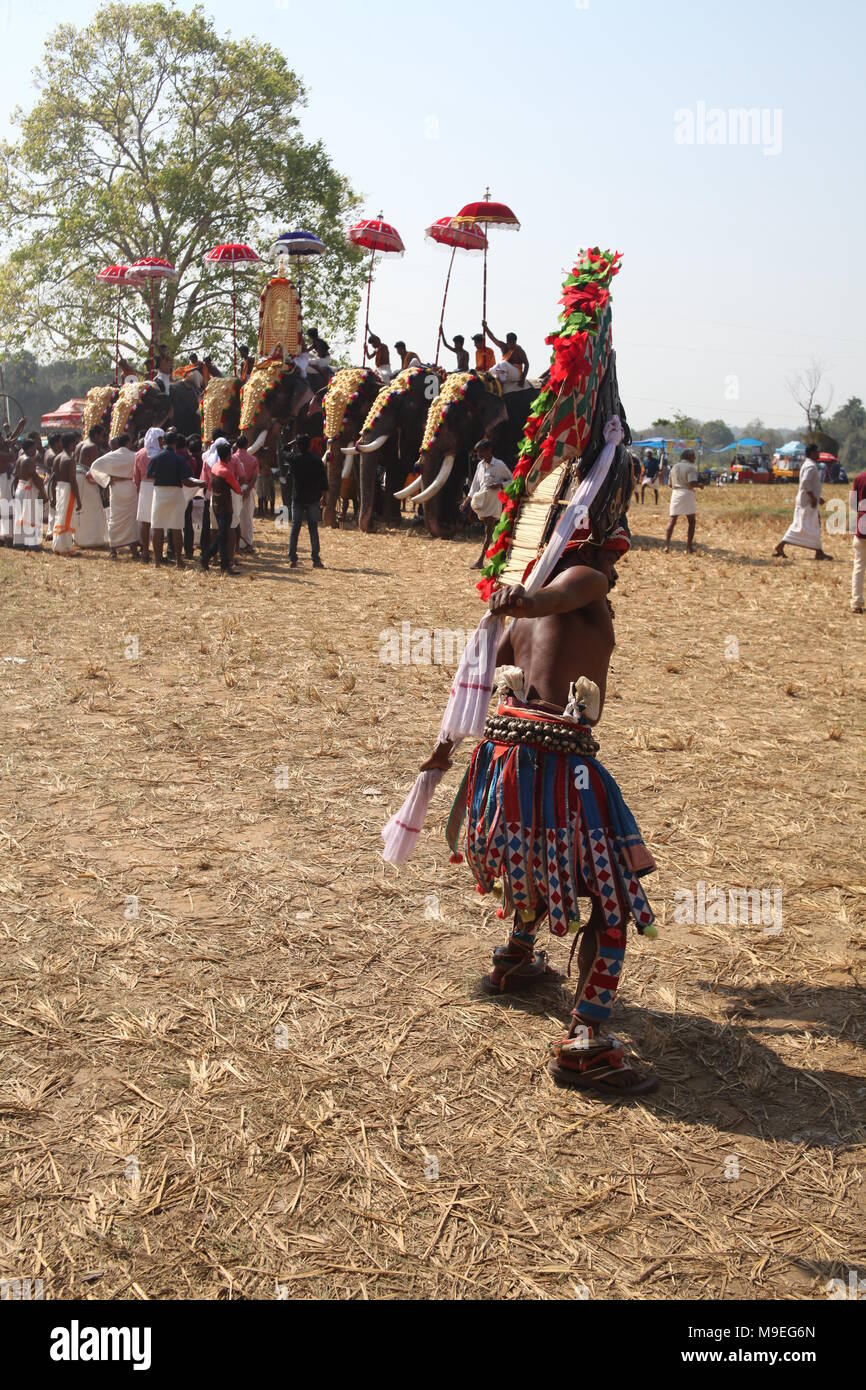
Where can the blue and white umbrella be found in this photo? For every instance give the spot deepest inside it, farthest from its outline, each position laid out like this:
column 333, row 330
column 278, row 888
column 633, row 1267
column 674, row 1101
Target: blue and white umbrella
column 299, row 244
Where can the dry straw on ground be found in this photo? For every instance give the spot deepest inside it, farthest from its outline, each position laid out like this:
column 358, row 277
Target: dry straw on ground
column 281, row 1073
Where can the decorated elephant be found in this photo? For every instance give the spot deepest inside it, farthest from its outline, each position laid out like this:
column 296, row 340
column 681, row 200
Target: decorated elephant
column 275, row 398
column 392, row 435
column 98, row 405
column 221, row 409
column 141, row 404
column 469, row 407
column 348, row 401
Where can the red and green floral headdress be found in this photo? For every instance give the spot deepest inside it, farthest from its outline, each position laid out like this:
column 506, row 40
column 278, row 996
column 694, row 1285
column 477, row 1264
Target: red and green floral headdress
column 560, row 420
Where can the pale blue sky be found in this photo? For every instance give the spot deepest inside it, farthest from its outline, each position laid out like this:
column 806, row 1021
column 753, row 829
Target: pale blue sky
column 737, row 264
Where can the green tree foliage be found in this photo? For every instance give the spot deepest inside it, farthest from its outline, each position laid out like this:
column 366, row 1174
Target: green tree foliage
column 155, row 135
column 716, row 434
column 849, row 419
column 853, row 455
column 40, row 389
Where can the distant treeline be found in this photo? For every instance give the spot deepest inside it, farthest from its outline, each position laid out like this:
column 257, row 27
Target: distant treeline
column 39, row 389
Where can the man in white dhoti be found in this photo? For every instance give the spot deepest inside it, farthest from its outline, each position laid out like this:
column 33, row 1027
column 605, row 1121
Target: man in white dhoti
column 684, row 483
column 248, row 464
column 491, row 476
column 857, row 506
column 805, row 529
column 8, row 454
column 114, row 470
column 152, row 446
column 66, row 497
column 172, row 486
column 91, row 523
column 512, row 371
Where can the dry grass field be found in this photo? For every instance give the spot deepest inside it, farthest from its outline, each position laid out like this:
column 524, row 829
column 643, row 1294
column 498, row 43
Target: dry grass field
column 242, row 1058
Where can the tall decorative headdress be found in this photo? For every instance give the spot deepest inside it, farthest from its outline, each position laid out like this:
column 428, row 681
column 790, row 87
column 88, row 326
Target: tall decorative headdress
column 564, row 436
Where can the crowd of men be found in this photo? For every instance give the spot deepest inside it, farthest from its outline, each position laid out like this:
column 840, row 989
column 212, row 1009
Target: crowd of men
column 159, row 498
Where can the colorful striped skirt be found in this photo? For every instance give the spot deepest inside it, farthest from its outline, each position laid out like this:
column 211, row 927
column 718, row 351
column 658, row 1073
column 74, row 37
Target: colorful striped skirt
column 554, row 828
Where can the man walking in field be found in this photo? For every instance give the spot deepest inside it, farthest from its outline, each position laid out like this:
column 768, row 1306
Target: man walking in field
column 805, row 529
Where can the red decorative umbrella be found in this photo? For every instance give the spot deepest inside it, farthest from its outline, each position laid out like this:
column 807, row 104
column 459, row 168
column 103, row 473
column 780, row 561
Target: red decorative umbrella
column 487, row 214
column 233, row 253
column 150, row 269
column 455, row 237
column 380, row 238
column 118, row 277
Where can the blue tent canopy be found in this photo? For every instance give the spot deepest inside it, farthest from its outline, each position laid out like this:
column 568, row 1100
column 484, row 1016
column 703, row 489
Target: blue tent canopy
column 741, row 444
column 795, row 447
column 649, row 443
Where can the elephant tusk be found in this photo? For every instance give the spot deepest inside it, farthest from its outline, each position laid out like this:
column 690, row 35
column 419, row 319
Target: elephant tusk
column 352, row 449
column 410, row 491
column 375, row 446
column 437, row 485
column 259, row 442
column 348, row 464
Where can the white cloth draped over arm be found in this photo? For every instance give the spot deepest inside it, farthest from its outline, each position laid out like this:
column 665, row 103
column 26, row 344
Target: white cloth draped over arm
column 467, row 709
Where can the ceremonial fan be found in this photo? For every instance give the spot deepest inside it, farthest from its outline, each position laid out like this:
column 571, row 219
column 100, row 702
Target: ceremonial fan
column 380, row 238
column 148, row 270
column 454, row 237
column 487, row 214
column 233, row 253
column 120, row 277
column 298, row 244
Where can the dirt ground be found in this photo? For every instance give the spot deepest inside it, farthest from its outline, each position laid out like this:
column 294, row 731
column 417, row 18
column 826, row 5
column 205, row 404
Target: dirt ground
column 244, row 1058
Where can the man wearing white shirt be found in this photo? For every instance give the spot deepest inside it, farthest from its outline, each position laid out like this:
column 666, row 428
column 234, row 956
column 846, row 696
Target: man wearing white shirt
column 491, row 476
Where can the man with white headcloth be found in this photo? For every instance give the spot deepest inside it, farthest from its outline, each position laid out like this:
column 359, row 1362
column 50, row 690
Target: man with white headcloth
column 144, row 485
column 114, row 470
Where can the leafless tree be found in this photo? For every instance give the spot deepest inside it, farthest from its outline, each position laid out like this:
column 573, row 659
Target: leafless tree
column 805, row 387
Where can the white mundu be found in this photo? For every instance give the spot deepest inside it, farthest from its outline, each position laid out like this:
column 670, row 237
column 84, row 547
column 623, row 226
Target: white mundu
column 805, row 529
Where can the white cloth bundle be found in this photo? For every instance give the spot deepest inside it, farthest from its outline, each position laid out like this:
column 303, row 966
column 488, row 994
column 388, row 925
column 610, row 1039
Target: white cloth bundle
column 467, row 709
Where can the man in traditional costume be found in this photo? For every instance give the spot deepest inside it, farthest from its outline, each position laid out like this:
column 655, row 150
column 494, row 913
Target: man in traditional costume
column 805, row 529
column 114, row 470
column 543, row 818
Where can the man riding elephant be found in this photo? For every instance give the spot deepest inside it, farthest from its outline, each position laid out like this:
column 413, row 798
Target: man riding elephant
column 392, row 435
column 348, row 401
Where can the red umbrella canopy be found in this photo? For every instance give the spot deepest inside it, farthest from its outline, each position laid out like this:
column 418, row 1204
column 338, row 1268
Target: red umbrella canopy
column 450, row 233
column 489, row 214
column 154, row 268
column 375, row 235
column 232, row 253
column 118, row 275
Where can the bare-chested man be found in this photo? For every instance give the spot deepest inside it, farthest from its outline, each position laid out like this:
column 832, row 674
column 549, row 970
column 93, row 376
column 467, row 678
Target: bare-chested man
column 67, row 499
column 514, row 367
column 547, row 819
column 29, row 499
